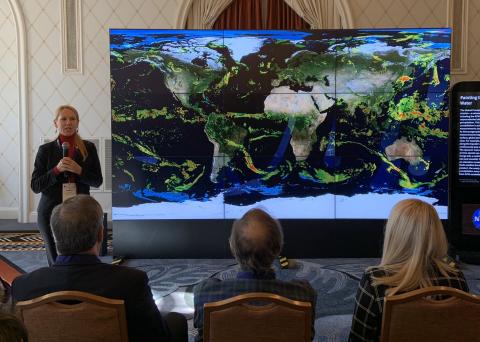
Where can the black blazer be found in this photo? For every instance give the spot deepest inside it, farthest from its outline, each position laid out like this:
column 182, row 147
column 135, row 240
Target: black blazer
column 45, row 181
column 144, row 322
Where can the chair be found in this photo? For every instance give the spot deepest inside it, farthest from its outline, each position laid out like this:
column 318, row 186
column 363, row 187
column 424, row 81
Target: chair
column 416, row 316
column 8, row 271
column 278, row 319
column 73, row 316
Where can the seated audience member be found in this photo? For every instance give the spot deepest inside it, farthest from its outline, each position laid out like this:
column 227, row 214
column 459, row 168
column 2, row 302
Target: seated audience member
column 414, row 256
column 77, row 230
column 12, row 329
column 255, row 241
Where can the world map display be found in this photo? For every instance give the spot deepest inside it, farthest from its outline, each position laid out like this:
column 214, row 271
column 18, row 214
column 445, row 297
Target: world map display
column 306, row 124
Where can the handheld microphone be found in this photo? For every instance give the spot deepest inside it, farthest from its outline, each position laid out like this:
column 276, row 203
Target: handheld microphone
column 65, row 147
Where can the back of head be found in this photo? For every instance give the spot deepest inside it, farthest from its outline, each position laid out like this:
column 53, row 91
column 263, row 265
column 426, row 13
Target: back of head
column 256, row 240
column 415, row 242
column 12, row 329
column 75, row 224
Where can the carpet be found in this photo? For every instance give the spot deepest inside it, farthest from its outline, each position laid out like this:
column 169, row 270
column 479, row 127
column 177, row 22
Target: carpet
column 21, row 242
column 335, row 290
column 167, row 275
column 31, row 241
column 172, row 283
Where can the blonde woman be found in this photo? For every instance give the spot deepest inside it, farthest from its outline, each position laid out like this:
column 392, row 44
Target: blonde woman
column 414, row 256
column 63, row 168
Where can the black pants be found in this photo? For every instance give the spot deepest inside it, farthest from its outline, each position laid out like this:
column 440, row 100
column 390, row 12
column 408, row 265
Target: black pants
column 43, row 221
column 177, row 324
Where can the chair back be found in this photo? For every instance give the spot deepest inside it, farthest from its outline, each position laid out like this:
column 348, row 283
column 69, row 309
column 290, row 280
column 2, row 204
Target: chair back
column 421, row 316
column 257, row 316
column 73, row 316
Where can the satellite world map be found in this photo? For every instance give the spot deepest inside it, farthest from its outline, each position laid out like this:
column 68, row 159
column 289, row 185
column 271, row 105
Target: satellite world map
column 314, row 124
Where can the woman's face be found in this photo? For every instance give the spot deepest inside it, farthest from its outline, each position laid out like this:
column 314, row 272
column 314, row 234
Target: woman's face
column 66, row 122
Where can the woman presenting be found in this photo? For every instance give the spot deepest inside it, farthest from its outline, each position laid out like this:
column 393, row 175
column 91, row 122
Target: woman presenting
column 63, row 168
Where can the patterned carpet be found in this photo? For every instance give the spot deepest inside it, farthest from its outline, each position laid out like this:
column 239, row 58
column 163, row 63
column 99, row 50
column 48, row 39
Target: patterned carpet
column 21, row 242
column 29, row 241
column 172, row 283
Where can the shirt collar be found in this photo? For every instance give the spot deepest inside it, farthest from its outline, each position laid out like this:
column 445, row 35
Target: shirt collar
column 62, row 138
column 77, row 259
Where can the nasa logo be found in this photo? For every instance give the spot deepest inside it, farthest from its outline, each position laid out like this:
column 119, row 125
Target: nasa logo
column 476, row 219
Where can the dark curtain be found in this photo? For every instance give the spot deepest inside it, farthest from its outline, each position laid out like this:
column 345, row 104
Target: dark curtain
column 280, row 16
column 247, row 15
column 241, row 15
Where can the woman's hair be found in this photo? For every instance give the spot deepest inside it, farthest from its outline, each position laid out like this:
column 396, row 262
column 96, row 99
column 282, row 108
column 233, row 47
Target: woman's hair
column 415, row 247
column 78, row 140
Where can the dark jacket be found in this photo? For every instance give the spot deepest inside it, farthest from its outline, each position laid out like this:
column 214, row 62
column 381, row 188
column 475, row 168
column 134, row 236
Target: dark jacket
column 44, row 179
column 87, row 273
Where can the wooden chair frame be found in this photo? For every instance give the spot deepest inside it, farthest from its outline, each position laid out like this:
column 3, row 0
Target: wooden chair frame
column 243, row 299
column 454, row 296
column 82, row 297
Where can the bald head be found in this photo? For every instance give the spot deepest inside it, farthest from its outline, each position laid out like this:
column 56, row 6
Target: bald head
column 256, row 240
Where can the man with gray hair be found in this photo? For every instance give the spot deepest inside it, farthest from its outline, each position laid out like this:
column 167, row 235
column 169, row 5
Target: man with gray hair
column 77, row 226
column 256, row 240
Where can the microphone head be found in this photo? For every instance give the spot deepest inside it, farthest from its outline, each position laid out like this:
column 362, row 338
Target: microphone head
column 65, row 147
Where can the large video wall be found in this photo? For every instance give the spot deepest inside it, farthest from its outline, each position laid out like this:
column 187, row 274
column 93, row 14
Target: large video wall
column 318, row 124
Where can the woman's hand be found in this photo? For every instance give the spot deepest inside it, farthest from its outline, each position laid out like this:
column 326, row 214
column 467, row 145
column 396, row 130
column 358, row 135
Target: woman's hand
column 68, row 164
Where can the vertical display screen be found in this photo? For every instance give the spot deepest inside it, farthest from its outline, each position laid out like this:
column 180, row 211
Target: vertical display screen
column 469, row 137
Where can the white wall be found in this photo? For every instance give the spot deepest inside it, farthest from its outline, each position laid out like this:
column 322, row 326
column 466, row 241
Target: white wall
column 48, row 87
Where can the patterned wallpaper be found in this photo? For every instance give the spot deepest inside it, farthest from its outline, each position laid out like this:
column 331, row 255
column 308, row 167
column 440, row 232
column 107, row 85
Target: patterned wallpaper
column 422, row 13
column 473, row 44
column 399, row 13
column 48, row 87
column 89, row 92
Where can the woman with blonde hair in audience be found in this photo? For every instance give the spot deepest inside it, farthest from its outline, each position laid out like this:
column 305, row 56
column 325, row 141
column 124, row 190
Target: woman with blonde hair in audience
column 414, row 256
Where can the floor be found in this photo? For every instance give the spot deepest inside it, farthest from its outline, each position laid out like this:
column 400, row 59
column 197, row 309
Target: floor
column 14, row 226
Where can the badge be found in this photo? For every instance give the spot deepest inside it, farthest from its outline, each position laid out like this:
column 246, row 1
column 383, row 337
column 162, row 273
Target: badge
column 69, row 190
